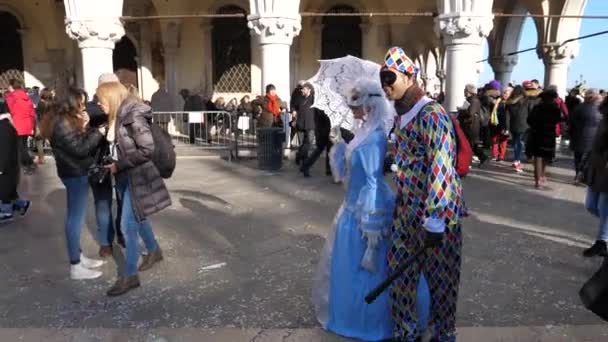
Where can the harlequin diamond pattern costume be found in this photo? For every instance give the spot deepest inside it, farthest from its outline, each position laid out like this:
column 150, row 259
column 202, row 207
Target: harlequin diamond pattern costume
column 429, row 198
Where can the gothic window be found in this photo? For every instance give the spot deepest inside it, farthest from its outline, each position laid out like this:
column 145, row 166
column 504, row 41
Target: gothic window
column 341, row 35
column 231, row 53
column 11, row 58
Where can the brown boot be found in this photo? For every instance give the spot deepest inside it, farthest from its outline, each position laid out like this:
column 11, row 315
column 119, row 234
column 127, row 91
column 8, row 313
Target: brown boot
column 123, row 285
column 105, row 251
column 151, row 259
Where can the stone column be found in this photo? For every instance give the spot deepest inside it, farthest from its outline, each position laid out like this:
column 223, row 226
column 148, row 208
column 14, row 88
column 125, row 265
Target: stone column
column 503, row 68
column 96, row 38
column 557, row 58
column 207, row 28
column 147, row 84
column 276, row 23
column 171, row 42
column 256, row 65
column 462, row 28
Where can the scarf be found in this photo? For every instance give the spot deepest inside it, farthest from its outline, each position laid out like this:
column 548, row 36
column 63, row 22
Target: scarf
column 273, row 105
column 409, row 99
column 494, row 116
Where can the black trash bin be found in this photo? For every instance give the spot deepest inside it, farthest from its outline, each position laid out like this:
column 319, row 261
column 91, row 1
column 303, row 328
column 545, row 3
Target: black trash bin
column 270, row 148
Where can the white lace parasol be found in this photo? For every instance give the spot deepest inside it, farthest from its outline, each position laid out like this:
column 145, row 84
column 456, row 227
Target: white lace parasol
column 333, row 83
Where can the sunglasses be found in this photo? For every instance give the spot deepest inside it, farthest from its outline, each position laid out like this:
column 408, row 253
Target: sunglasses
column 387, row 78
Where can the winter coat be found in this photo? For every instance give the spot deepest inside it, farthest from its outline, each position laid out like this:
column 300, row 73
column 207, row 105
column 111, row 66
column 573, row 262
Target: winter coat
column 135, row 147
column 572, row 102
column 306, row 114
column 9, row 161
column 471, row 119
column 73, row 148
column 516, row 116
column 194, row 103
column 501, row 113
column 597, row 164
column 22, row 110
column 265, row 118
column 322, row 127
column 245, row 108
column 583, row 125
column 542, row 121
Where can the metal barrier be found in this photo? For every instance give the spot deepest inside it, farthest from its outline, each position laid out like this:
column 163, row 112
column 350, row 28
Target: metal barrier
column 212, row 131
column 246, row 133
column 215, row 131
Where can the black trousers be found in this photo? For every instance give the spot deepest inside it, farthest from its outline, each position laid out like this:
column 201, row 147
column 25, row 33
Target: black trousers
column 24, row 153
column 307, row 144
column 316, row 153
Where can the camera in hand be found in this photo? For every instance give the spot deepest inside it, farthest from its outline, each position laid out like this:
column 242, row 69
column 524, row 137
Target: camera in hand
column 98, row 173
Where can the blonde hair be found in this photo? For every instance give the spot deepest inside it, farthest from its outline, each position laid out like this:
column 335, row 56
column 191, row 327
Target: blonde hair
column 112, row 94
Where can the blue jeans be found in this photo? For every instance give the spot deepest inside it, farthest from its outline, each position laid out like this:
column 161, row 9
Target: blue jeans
column 131, row 228
column 77, row 189
column 518, row 146
column 102, row 195
column 597, row 204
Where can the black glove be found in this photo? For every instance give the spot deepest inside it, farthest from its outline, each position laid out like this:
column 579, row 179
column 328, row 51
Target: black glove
column 432, row 240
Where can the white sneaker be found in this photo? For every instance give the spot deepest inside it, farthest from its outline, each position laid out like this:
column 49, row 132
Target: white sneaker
column 79, row 272
column 90, row 263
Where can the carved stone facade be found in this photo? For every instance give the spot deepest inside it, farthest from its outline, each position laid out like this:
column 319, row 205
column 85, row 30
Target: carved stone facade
column 285, row 43
column 95, row 33
column 273, row 30
column 462, row 33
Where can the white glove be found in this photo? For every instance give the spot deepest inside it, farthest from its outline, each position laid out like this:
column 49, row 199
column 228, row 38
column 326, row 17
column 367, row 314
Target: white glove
column 335, row 135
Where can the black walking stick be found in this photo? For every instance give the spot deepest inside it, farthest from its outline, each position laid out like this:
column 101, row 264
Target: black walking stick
column 373, row 294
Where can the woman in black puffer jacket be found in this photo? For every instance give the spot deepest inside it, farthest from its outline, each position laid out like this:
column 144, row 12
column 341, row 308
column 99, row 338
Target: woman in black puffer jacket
column 541, row 142
column 138, row 181
column 73, row 144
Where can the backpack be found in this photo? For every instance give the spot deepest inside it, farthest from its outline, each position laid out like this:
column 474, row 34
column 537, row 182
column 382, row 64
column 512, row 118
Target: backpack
column 164, row 151
column 464, row 152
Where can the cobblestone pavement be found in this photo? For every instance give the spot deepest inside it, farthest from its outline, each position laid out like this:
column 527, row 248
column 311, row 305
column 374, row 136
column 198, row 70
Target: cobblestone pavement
column 240, row 249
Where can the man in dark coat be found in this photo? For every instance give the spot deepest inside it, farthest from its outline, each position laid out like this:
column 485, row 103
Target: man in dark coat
column 9, row 169
column 305, row 124
column 583, row 125
column 322, row 128
column 195, row 103
column 471, row 122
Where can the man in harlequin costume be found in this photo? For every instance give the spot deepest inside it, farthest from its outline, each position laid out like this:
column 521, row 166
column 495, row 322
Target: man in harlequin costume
column 429, row 205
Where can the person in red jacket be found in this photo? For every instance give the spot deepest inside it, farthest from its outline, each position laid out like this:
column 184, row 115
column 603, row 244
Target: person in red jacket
column 24, row 117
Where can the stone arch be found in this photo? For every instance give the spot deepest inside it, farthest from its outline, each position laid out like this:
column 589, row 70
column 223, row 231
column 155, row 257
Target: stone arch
column 568, row 28
column 4, row 7
column 231, row 46
column 217, row 5
column 11, row 62
column 125, row 60
column 506, row 35
column 341, row 36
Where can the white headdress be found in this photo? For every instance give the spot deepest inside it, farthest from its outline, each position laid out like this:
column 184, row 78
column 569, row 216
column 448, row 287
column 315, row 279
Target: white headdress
column 381, row 113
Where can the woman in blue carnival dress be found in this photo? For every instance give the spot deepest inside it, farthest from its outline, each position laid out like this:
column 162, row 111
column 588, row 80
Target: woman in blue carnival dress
column 354, row 258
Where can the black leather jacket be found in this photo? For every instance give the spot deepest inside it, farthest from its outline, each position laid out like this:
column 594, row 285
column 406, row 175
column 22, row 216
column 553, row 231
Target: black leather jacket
column 73, row 148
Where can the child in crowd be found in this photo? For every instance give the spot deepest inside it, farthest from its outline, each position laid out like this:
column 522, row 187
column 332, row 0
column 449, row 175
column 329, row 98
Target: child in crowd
column 9, row 169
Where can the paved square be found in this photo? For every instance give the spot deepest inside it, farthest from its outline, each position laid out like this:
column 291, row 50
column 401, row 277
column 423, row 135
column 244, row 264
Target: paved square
column 241, row 247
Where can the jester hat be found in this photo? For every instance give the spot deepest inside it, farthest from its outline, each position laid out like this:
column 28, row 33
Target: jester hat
column 397, row 60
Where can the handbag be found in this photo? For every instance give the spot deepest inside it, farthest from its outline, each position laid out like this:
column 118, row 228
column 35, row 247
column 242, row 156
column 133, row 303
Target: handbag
column 594, row 294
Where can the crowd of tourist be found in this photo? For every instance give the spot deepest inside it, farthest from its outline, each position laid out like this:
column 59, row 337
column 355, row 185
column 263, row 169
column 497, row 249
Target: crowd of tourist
column 108, row 144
